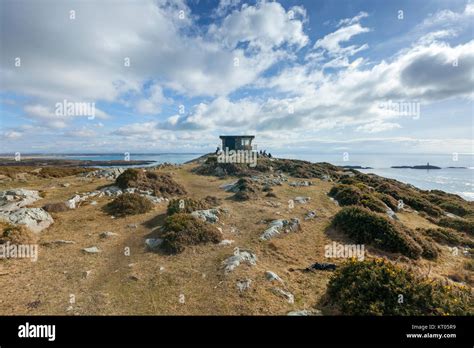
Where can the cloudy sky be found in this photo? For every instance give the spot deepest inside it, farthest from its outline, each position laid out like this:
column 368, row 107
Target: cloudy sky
column 172, row 75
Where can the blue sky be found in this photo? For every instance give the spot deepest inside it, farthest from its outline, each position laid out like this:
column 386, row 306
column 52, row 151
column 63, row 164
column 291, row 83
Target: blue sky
column 309, row 76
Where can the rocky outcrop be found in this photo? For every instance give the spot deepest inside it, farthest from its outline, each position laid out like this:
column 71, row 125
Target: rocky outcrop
column 239, row 257
column 208, row 215
column 278, row 226
column 36, row 219
column 111, row 191
column 11, row 200
column 109, row 173
column 13, row 209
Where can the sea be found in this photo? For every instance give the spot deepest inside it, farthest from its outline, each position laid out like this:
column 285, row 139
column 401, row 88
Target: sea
column 455, row 176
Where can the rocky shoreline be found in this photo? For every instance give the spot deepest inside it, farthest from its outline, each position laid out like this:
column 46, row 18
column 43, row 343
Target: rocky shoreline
column 54, row 162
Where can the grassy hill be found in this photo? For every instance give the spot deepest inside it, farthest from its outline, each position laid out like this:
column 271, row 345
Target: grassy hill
column 126, row 277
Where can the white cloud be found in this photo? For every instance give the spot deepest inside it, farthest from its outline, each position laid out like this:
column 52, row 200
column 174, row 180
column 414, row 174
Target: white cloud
column 82, row 133
column 435, row 36
column 316, row 100
column 264, row 26
column 377, row 127
column 136, row 129
column 450, row 18
column 12, row 134
column 152, row 104
column 353, row 20
column 81, row 64
column 85, row 62
column 225, row 6
column 332, row 42
column 45, row 116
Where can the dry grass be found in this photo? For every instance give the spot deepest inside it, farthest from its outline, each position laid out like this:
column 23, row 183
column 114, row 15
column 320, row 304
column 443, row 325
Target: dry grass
column 151, row 283
column 16, row 234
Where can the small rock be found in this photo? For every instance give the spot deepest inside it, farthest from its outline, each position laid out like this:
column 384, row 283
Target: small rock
column 391, row 214
column 304, row 313
column 111, row 191
column 226, row 242
column 91, row 250
column 108, row 234
column 285, row 294
column 132, row 226
column 302, row 200
column 310, row 215
column 240, row 256
column 86, row 274
column 273, row 204
column 272, row 276
column 244, row 284
column 228, row 187
column 326, row 177
column 154, row 199
column 300, row 183
column 153, row 243
column 451, row 215
column 66, row 184
column 71, row 204
column 93, row 203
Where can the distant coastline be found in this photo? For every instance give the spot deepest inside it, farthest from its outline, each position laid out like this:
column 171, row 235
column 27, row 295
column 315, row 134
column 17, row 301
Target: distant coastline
column 427, row 166
column 99, row 159
column 59, row 160
column 51, row 161
column 449, row 178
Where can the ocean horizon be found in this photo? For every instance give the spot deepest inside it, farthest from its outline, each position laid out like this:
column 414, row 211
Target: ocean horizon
column 455, row 176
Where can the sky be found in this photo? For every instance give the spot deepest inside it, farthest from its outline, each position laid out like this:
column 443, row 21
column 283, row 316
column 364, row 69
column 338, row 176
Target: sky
column 172, row 75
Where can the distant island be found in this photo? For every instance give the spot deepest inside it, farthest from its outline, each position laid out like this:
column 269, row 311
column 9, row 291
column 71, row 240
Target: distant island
column 425, row 166
column 356, row 167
